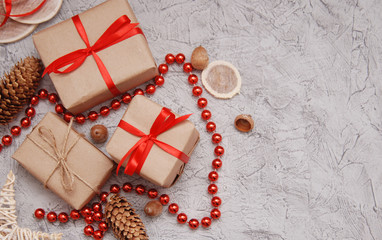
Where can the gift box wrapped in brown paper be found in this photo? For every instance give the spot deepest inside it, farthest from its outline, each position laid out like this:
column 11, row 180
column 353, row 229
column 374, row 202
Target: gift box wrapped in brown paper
column 64, row 161
column 160, row 167
column 129, row 62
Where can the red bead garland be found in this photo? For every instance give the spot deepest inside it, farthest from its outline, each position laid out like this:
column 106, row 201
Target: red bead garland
column 94, row 214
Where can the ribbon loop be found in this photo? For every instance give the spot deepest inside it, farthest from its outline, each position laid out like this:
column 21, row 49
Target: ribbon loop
column 8, row 10
column 139, row 152
column 120, row 30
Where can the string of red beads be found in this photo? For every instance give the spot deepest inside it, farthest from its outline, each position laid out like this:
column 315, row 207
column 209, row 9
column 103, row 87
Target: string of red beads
column 94, row 214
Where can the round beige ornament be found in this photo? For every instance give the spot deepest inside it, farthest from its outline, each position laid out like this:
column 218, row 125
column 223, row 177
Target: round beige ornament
column 45, row 13
column 221, row 79
column 13, row 31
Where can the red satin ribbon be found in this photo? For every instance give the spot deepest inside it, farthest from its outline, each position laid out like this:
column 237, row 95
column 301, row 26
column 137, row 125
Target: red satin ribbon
column 165, row 120
column 120, row 30
column 8, row 9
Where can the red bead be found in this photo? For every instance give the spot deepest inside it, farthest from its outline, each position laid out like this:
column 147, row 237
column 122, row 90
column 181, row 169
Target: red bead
column 104, row 111
column 68, row 116
column 173, row 208
column 187, row 67
column 6, row 140
column 206, row 222
column 211, row 126
column 219, row 150
column 216, row 201
column 126, row 98
column 97, row 216
column 193, row 223
column 197, row 91
column 206, row 114
column 170, row 59
column 138, row 91
column 75, row 214
column 89, row 230
column 39, row 213
column 34, row 100
column 59, row 108
column 98, row 235
column 86, row 212
column 217, row 163
column 159, row 80
column 80, row 118
column 115, row 104
column 93, row 115
column 89, row 219
column 182, row 218
column 164, row 199
column 103, row 226
column 163, row 68
column 192, row 79
column 115, row 188
column 15, row 130
column 180, row 58
column 213, row 176
column 152, row 193
column 202, row 102
column 53, row 98
column 140, row 189
column 25, row 122
column 42, row 93
column 51, row 217
column 212, row 188
column 127, row 187
column 63, row 217
column 103, row 196
column 30, row 112
column 216, row 138
column 97, row 207
column 150, row 89
column 215, row 213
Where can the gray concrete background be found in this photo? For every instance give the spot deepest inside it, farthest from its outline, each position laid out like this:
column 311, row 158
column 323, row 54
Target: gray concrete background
column 311, row 80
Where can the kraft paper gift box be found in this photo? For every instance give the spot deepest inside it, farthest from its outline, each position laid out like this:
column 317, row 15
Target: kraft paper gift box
column 89, row 168
column 160, row 167
column 129, row 62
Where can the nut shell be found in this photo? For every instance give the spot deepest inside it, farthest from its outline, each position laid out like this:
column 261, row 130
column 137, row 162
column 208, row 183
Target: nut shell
column 99, row 133
column 153, row 208
column 199, row 58
column 244, row 123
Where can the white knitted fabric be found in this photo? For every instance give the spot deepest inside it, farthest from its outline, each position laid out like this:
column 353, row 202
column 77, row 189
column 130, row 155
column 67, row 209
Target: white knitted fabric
column 8, row 219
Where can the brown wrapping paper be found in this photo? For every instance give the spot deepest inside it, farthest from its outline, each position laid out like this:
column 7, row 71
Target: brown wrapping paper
column 160, row 167
column 84, row 159
column 130, row 62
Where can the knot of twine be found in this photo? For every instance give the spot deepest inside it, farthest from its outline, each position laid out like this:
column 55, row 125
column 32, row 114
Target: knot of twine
column 60, row 156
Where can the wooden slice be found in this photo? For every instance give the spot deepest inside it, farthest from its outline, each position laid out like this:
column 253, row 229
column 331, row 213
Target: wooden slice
column 13, row 31
column 45, row 13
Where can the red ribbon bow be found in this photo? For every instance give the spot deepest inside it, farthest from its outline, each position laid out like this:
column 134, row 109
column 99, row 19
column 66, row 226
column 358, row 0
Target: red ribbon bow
column 139, row 152
column 120, row 30
column 8, row 9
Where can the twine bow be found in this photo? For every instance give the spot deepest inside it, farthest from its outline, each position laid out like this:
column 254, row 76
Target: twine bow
column 8, row 10
column 139, row 152
column 60, row 156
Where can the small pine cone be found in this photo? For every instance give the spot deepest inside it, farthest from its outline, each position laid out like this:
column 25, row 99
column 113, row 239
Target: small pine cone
column 17, row 87
column 121, row 217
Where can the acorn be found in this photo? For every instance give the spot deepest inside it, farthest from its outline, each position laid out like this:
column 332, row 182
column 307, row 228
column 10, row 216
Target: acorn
column 153, row 208
column 99, row 133
column 244, row 123
column 199, row 58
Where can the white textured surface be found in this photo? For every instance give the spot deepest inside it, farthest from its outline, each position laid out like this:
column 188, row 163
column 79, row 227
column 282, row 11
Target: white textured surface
column 311, row 80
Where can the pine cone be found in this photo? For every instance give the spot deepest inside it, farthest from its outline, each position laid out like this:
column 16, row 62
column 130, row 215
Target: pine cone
column 17, row 87
column 121, row 217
